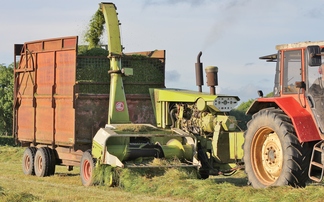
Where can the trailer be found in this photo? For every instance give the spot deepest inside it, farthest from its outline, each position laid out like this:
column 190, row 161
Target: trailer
column 61, row 99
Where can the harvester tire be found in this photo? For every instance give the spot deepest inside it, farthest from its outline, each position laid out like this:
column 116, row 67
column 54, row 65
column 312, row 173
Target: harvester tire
column 273, row 156
column 28, row 161
column 87, row 168
column 41, row 162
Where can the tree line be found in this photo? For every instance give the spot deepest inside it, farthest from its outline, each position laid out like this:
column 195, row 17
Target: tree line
column 6, row 99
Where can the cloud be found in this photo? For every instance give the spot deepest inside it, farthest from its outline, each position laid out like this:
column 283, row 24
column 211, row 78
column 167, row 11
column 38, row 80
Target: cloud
column 173, row 2
column 249, row 64
column 172, row 76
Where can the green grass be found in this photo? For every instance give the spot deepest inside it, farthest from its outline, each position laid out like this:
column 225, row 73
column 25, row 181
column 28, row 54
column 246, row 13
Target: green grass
column 134, row 185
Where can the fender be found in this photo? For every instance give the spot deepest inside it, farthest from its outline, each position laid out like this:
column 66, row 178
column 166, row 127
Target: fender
column 302, row 119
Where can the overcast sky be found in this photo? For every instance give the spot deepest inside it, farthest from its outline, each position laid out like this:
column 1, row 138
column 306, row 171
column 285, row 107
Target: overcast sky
column 232, row 34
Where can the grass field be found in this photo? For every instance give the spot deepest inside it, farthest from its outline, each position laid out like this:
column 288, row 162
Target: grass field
column 175, row 185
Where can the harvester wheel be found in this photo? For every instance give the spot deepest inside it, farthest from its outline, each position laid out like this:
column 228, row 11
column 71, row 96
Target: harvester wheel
column 41, row 162
column 28, row 161
column 273, row 155
column 87, row 168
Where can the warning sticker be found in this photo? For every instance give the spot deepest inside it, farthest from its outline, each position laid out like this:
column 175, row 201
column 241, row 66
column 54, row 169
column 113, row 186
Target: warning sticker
column 120, row 106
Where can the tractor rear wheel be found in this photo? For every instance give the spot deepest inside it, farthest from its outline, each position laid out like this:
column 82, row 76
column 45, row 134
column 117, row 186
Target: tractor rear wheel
column 273, row 156
column 87, row 168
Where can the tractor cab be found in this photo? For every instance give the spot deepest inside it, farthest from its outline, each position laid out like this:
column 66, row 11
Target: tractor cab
column 298, row 82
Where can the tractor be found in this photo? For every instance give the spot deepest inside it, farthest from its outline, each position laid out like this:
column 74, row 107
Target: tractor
column 284, row 139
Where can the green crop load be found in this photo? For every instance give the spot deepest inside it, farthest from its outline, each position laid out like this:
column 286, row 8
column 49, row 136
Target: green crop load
column 92, row 73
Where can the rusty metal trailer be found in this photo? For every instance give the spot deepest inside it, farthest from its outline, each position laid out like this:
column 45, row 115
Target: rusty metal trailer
column 56, row 114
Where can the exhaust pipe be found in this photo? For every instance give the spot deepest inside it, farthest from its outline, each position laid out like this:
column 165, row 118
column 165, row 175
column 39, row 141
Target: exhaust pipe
column 199, row 73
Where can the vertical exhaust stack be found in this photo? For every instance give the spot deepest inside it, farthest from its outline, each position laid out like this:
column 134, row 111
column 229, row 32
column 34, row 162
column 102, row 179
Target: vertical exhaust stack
column 212, row 79
column 199, row 73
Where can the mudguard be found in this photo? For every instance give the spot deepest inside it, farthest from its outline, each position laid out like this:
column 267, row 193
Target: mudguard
column 302, row 119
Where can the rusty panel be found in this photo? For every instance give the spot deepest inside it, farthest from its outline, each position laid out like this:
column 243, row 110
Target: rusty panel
column 64, row 121
column 24, row 101
column 45, row 73
column 64, row 95
column 35, row 47
column 26, row 119
column 44, row 105
column 65, row 72
column 44, row 120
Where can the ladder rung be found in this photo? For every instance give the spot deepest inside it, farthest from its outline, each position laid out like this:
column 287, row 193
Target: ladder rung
column 315, row 179
column 318, row 149
column 317, row 164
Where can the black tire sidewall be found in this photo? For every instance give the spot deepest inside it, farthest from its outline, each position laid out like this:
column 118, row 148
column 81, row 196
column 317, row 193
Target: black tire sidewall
column 41, row 153
column 87, row 156
column 267, row 119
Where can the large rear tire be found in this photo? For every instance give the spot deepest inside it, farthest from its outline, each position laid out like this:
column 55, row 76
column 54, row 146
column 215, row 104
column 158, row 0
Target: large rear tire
column 273, row 156
column 87, row 169
column 28, row 161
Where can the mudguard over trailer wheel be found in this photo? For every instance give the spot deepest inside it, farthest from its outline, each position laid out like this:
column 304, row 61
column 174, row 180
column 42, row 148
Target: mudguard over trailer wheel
column 87, row 168
column 28, row 161
column 273, row 155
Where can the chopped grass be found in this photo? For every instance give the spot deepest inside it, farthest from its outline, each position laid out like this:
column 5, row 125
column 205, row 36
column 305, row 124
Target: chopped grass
column 138, row 185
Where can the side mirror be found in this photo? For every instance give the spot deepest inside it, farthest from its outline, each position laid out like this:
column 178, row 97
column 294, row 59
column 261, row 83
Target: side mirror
column 260, row 93
column 314, row 55
column 300, row 84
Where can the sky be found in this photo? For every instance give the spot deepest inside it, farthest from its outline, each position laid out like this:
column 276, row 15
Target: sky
column 232, row 34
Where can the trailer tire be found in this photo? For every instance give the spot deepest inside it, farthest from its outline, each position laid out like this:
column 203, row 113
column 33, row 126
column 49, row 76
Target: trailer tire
column 28, row 161
column 273, row 155
column 87, row 168
column 51, row 160
column 41, row 162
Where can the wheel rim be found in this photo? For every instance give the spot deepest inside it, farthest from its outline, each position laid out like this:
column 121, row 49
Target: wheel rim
column 87, row 170
column 27, row 162
column 39, row 163
column 267, row 156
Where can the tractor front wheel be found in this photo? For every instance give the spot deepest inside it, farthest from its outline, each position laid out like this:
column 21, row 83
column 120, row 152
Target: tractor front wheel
column 273, row 156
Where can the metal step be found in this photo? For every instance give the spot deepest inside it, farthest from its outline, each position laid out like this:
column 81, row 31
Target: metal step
column 313, row 163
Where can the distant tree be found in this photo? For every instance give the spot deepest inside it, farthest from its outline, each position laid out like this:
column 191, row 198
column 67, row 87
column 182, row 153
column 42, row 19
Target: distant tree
column 6, row 99
column 240, row 112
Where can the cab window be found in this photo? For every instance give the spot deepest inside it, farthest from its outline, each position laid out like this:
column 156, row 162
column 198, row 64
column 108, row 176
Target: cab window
column 292, row 71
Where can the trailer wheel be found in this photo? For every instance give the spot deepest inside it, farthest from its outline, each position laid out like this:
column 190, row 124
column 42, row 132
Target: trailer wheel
column 87, row 168
column 42, row 162
column 28, row 161
column 273, row 155
column 51, row 160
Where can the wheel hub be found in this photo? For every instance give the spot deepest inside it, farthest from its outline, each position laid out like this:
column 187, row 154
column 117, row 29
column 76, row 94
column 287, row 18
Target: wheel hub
column 267, row 153
column 272, row 156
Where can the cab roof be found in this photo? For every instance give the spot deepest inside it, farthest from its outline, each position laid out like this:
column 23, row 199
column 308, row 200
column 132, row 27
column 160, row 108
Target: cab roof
column 299, row 45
